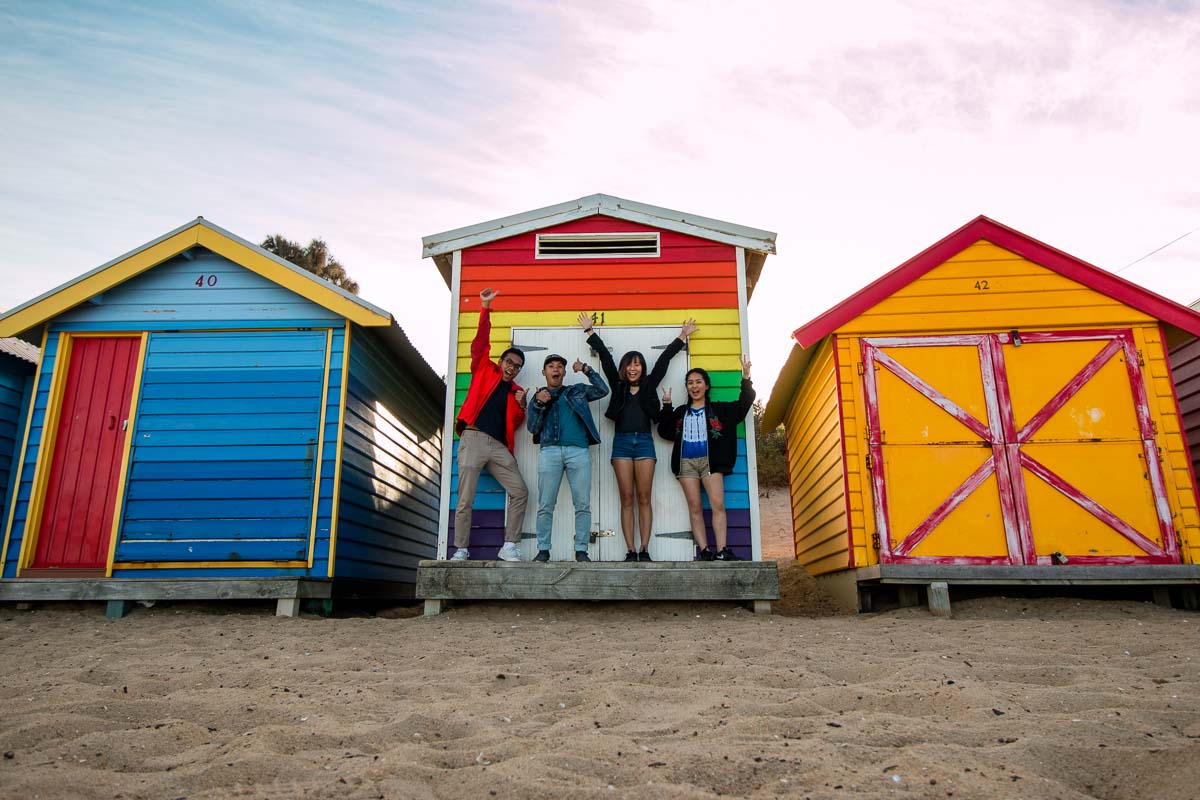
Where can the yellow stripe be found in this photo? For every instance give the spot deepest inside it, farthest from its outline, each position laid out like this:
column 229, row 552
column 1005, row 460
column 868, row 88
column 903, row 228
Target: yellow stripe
column 712, row 363
column 204, row 564
column 124, row 473
column 12, row 513
column 341, row 437
column 281, row 275
column 41, row 472
column 697, row 345
column 70, row 296
column 469, row 320
column 312, row 531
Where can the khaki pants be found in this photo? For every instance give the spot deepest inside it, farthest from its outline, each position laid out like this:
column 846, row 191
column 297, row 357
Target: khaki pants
column 477, row 450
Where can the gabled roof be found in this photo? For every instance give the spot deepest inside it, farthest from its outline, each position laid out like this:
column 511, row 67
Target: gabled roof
column 758, row 243
column 1044, row 255
column 201, row 232
column 1174, row 315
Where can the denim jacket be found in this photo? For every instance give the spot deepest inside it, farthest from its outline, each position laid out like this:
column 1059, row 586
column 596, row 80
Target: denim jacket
column 577, row 396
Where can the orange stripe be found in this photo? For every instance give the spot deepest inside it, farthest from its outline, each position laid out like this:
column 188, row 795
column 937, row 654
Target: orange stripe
column 541, row 302
column 589, row 288
column 553, row 271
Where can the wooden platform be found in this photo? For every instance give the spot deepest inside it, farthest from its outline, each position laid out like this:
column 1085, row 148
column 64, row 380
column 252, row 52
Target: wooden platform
column 938, row 578
column 755, row 582
column 288, row 592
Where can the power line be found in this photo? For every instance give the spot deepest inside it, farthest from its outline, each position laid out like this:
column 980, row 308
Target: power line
column 1157, row 249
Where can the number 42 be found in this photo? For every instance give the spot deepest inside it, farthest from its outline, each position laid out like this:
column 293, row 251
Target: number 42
column 981, row 285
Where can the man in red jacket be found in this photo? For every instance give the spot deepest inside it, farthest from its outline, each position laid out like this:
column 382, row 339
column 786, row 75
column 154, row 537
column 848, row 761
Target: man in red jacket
column 491, row 413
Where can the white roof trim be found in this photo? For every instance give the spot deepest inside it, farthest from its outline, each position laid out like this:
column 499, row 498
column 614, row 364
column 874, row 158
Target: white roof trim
column 713, row 229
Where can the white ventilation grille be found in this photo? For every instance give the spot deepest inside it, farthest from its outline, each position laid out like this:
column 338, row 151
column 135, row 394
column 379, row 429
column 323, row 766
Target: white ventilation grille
column 597, row 245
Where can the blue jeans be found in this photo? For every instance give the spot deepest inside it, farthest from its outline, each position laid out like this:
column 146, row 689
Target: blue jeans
column 576, row 462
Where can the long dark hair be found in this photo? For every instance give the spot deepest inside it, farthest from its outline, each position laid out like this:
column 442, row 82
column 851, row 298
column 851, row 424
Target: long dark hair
column 628, row 359
column 703, row 373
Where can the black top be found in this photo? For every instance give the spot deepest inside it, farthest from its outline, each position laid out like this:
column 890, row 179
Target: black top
column 647, row 396
column 491, row 417
column 633, row 417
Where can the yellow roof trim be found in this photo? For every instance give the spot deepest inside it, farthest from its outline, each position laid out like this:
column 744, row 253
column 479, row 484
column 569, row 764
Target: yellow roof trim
column 252, row 258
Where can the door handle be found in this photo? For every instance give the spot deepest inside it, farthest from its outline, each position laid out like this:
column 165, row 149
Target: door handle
column 112, row 421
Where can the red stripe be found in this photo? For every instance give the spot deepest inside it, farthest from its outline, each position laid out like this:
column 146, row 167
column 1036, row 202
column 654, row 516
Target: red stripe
column 875, row 448
column 634, row 302
column 594, row 290
column 593, row 270
column 673, row 246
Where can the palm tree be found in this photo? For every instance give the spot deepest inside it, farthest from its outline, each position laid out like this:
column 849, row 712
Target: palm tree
column 314, row 258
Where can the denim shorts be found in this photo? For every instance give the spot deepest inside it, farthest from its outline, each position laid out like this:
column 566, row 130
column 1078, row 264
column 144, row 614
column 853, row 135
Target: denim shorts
column 634, row 446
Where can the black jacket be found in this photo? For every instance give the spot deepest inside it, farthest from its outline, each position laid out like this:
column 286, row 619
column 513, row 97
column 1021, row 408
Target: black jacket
column 720, row 420
column 648, row 393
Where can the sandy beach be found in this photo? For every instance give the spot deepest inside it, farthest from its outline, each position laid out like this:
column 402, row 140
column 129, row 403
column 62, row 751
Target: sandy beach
column 1037, row 697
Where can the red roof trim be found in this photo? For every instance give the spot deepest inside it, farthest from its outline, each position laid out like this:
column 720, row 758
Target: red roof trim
column 982, row 228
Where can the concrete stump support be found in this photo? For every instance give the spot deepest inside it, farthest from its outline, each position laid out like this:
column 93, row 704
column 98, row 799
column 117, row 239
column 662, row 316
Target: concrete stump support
column 939, row 599
column 287, row 606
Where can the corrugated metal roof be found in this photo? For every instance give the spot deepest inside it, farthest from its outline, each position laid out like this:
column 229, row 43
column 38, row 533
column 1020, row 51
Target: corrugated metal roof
column 19, row 348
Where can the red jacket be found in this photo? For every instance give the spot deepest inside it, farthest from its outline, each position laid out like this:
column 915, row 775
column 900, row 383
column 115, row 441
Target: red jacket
column 485, row 377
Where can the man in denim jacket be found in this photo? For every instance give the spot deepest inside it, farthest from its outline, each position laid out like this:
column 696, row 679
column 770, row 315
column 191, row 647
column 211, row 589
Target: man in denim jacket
column 561, row 422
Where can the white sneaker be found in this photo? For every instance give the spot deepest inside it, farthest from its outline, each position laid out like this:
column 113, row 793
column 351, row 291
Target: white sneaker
column 509, row 552
column 461, row 554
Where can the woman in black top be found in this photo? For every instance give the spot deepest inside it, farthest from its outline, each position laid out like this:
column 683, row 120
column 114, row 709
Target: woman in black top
column 632, row 408
column 705, row 451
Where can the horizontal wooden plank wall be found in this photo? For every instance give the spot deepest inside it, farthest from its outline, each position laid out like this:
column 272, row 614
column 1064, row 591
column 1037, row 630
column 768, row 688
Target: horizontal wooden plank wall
column 1185, row 365
column 390, row 480
column 692, row 278
column 224, row 449
column 816, row 474
column 16, row 384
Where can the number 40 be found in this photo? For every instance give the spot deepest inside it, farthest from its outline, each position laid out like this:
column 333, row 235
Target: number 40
column 206, row 280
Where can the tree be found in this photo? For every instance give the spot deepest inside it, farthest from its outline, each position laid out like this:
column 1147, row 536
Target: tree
column 772, row 451
column 315, row 258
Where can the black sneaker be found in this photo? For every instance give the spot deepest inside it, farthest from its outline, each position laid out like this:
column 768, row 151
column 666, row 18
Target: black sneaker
column 631, row 555
column 705, row 555
column 542, row 555
column 726, row 555
column 644, row 556
column 581, row 555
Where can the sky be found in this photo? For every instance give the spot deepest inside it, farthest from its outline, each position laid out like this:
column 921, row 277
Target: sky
column 860, row 132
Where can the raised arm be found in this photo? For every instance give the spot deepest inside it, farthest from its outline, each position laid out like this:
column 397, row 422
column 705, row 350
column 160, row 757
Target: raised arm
column 664, row 360
column 481, row 345
column 596, row 343
column 596, row 387
column 746, row 395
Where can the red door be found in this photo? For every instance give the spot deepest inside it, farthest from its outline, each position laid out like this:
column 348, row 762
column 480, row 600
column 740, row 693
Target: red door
column 76, row 524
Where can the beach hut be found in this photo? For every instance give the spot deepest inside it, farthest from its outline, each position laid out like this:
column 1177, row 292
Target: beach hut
column 210, row 421
column 640, row 271
column 991, row 411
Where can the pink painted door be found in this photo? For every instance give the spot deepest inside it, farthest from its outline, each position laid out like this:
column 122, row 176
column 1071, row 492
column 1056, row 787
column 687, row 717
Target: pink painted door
column 1036, row 448
column 76, row 524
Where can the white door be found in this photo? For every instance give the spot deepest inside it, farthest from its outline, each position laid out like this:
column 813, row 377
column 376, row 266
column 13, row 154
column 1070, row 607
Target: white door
column 672, row 539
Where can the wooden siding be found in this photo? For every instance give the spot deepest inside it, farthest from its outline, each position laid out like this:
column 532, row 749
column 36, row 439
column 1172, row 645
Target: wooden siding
column 391, row 474
column 169, row 293
column 815, row 470
column 1172, row 440
column 1185, row 366
column 689, row 272
column 224, row 454
column 15, row 387
column 1018, row 294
